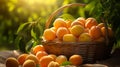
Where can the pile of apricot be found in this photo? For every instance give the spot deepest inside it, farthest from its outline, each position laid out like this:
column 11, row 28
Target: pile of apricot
column 79, row 30
column 38, row 57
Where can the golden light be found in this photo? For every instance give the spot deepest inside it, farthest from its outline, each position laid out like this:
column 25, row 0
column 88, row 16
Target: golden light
column 45, row 2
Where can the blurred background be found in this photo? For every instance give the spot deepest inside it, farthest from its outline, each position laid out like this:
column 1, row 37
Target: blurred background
column 22, row 22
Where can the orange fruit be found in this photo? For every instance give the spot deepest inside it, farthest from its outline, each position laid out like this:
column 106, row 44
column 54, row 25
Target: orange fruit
column 68, row 22
column 53, row 28
column 53, row 64
column 86, row 30
column 11, row 62
column 110, row 32
column 21, row 58
column 75, row 23
column 100, row 39
column 29, row 63
column 84, row 37
column 76, row 30
column 61, row 58
column 95, row 32
column 59, row 22
column 49, row 34
column 76, row 60
column 90, row 22
column 100, row 25
column 81, row 21
column 45, row 60
column 41, row 54
column 61, row 32
column 53, row 56
column 69, row 38
column 33, row 57
column 38, row 48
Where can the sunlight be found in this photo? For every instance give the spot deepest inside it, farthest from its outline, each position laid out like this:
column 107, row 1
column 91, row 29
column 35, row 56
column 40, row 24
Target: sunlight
column 46, row 2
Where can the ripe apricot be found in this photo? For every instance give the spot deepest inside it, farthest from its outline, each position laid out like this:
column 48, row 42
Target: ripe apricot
column 76, row 30
column 61, row 58
column 41, row 54
column 100, row 39
column 75, row 23
column 45, row 60
column 53, row 28
column 84, row 37
column 21, row 58
column 100, row 25
column 49, row 34
column 59, row 22
column 11, row 62
column 53, row 64
column 90, row 22
column 76, row 59
column 33, row 57
column 29, row 63
column 61, row 32
column 95, row 32
column 38, row 48
column 68, row 22
column 53, row 56
column 69, row 38
column 104, row 32
column 81, row 21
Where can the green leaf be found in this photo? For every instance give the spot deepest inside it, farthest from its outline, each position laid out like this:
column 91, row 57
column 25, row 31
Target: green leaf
column 67, row 16
column 21, row 27
column 29, row 45
column 66, row 63
column 33, row 34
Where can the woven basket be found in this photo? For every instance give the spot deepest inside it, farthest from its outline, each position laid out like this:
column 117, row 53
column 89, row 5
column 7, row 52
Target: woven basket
column 90, row 51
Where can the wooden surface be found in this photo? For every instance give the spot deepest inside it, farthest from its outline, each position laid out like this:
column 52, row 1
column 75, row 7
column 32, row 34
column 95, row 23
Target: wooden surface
column 114, row 61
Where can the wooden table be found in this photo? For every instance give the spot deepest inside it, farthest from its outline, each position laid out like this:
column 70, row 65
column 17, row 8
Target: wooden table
column 114, row 61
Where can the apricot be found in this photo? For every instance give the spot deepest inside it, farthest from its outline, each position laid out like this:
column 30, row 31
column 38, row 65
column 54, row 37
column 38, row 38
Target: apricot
column 104, row 32
column 84, row 37
column 11, row 62
column 29, row 63
column 75, row 23
column 100, row 39
column 61, row 58
column 38, row 48
column 59, row 22
column 76, row 30
column 68, row 22
column 53, row 28
column 33, row 57
column 45, row 60
column 100, row 25
column 76, row 60
column 53, row 56
column 81, row 21
column 61, row 32
column 49, row 34
column 90, row 22
column 69, row 38
column 95, row 32
column 53, row 64
column 21, row 58
column 41, row 54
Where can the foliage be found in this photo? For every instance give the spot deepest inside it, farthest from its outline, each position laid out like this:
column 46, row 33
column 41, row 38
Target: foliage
column 23, row 22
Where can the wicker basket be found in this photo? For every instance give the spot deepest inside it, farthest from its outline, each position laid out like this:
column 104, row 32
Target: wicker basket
column 90, row 51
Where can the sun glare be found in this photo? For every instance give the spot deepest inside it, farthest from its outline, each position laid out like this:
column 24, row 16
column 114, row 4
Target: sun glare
column 46, row 2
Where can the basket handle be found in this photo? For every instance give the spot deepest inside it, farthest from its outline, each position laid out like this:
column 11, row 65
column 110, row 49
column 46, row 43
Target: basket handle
column 59, row 10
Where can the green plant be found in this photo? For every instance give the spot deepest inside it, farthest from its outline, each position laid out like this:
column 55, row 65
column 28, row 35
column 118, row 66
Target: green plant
column 29, row 35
